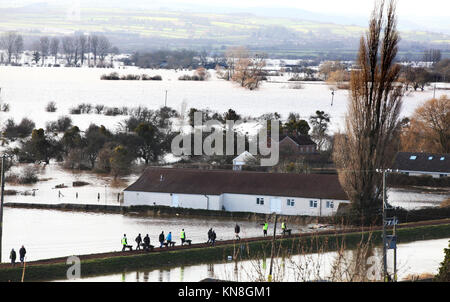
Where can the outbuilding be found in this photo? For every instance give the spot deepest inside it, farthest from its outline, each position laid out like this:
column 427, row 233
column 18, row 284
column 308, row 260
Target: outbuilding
column 238, row 191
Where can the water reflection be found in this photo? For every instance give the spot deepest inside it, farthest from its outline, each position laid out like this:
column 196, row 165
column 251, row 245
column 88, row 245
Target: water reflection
column 413, row 258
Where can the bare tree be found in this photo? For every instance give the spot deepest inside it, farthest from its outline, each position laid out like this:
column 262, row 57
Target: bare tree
column 104, row 47
column 372, row 120
column 44, row 45
column 18, row 47
column 82, row 39
column 244, row 68
column 7, row 42
column 94, row 47
column 54, row 48
column 68, row 47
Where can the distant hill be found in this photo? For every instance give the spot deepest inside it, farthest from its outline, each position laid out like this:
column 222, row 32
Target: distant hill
column 131, row 28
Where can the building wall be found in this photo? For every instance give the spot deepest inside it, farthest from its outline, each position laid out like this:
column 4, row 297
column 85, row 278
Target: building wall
column 247, row 203
column 235, row 203
column 166, row 199
column 289, row 146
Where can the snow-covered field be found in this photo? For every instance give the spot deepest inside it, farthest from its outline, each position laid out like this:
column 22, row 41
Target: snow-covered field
column 28, row 90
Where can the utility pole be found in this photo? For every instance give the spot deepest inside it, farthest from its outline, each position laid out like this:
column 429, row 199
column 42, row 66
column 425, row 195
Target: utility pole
column 165, row 101
column 1, row 205
column 384, row 228
column 273, row 249
column 395, row 252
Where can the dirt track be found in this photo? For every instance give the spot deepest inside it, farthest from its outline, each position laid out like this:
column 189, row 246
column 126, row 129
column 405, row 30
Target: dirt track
column 225, row 242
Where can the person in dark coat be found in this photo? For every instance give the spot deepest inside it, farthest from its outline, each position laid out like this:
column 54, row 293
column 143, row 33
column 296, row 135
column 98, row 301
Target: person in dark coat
column 13, row 257
column 138, row 241
column 237, row 229
column 22, row 253
column 161, row 239
column 213, row 237
column 209, row 235
column 146, row 242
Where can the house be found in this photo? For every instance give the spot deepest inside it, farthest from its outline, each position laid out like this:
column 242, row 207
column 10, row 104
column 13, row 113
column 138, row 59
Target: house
column 417, row 164
column 297, row 145
column 238, row 191
column 242, row 160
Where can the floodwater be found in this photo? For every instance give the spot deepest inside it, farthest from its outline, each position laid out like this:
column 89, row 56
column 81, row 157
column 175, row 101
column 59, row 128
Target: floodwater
column 52, row 233
column 415, row 258
column 28, row 90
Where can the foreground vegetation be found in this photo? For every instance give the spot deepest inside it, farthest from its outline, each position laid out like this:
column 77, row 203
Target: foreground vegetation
column 251, row 250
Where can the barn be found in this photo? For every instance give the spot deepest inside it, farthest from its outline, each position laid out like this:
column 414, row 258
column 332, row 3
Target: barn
column 238, row 191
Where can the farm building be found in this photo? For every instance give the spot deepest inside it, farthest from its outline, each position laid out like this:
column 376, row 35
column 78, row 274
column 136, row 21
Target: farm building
column 238, row 191
column 417, row 164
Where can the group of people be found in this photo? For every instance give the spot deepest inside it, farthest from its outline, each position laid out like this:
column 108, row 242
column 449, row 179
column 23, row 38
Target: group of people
column 165, row 240
column 13, row 255
column 211, row 237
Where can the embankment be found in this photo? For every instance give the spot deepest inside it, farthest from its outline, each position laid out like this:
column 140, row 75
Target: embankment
column 117, row 262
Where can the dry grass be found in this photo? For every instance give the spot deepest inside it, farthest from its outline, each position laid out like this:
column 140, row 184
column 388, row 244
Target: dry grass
column 445, row 203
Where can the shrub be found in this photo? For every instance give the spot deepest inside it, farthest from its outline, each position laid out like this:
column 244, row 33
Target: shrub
column 111, row 111
column 444, row 269
column 51, row 107
column 23, row 130
column 157, row 78
column 79, row 183
column 5, row 107
column 75, row 110
column 111, row 76
column 99, row 108
column 28, row 175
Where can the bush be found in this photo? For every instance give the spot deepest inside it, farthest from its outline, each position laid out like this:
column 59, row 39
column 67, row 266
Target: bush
column 75, row 111
column 51, row 107
column 109, row 111
column 79, row 183
column 61, row 125
column 99, row 108
column 23, row 130
column 111, row 76
column 444, row 269
column 5, row 107
column 28, row 175
column 157, row 78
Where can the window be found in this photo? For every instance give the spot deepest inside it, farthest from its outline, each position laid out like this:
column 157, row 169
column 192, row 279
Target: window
column 442, row 158
column 260, row 201
column 290, row 202
column 413, row 157
column 313, row 203
column 430, row 157
column 330, row 204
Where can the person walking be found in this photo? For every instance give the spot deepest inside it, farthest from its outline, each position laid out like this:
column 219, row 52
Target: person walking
column 237, row 229
column 146, row 242
column 161, row 239
column 283, row 227
column 213, row 237
column 209, row 235
column 182, row 236
column 124, row 242
column 265, row 228
column 138, row 241
column 22, row 253
column 13, row 257
column 169, row 237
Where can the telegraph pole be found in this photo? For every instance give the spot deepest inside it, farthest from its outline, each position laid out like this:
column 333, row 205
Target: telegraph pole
column 1, row 205
column 165, row 101
column 384, row 228
column 273, row 248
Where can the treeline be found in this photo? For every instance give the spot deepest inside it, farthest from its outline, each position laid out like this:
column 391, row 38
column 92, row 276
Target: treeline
column 145, row 135
column 76, row 50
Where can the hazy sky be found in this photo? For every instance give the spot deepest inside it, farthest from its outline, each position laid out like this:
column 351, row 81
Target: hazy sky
column 408, row 8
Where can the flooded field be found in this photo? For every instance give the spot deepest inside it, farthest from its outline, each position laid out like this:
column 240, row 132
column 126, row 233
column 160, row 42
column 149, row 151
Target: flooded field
column 28, row 90
column 413, row 258
column 50, row 233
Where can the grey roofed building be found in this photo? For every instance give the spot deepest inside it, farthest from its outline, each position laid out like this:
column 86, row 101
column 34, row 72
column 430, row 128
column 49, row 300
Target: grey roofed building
column 418, row 163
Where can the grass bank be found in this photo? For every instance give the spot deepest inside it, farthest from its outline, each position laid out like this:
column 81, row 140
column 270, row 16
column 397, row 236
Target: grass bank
column 252, row 249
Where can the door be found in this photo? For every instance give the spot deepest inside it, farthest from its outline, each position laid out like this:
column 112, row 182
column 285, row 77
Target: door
column 275, row 205
column 174, row 200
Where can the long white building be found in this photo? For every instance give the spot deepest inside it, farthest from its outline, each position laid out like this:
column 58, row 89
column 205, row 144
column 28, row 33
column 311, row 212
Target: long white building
column 238, row 191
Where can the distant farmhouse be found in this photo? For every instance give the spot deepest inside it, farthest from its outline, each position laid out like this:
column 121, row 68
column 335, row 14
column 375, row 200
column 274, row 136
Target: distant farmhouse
column 297, row 144
column 417, row 164
column 238, row 191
